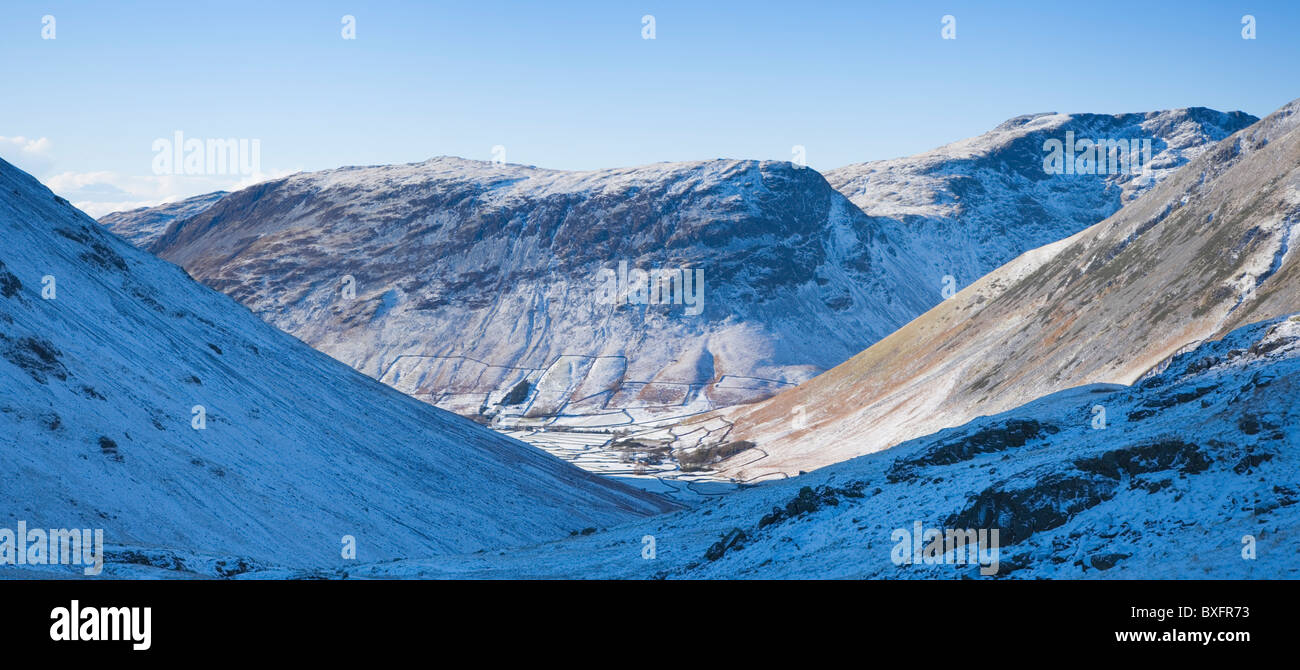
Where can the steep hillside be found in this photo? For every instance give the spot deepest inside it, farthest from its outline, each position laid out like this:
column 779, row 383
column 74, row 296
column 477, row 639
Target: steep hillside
column 484, row 288
column 974, row 205
column 1203, row 252
column 135, row 400
column 1192, row 475
column 144, row 225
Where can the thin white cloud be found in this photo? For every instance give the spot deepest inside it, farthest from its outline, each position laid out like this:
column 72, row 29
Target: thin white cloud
column 31, row 155
column 99, row 193
column 68, row 181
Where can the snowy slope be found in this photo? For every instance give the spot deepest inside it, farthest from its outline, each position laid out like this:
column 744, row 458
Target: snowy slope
column 471, row 277
column 98, row 388
column 1188, row 464
column 475, row 279
column 1204, row 251
column 142, row 226
column 973, row 205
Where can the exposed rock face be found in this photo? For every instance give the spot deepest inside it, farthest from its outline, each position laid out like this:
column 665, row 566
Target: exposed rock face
column 471, row 277
column 973, row 205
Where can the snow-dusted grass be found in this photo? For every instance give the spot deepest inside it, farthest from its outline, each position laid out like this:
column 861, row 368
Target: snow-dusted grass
column 98, row 388
column 1191, row 461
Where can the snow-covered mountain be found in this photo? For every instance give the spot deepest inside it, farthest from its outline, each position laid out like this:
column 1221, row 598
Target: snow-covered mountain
column 973, row 205
column 1192, row 474
column 1201, row 253
column 135, row 400
column 478, row 286
column 142, row 226
column 474, row 279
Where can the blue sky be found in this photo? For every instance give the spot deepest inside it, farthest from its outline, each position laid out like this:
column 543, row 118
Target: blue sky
column 573, row 84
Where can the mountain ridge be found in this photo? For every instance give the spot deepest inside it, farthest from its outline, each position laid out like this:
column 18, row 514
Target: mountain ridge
column 476, row 280
column 520, row 248
column 1083, row 296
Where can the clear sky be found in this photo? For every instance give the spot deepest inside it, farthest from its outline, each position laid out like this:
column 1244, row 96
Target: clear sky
column 574, row 85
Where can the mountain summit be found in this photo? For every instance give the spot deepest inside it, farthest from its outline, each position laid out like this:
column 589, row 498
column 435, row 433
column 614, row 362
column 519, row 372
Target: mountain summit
column 973, row 205
column 478, row 286
column 506, row 291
